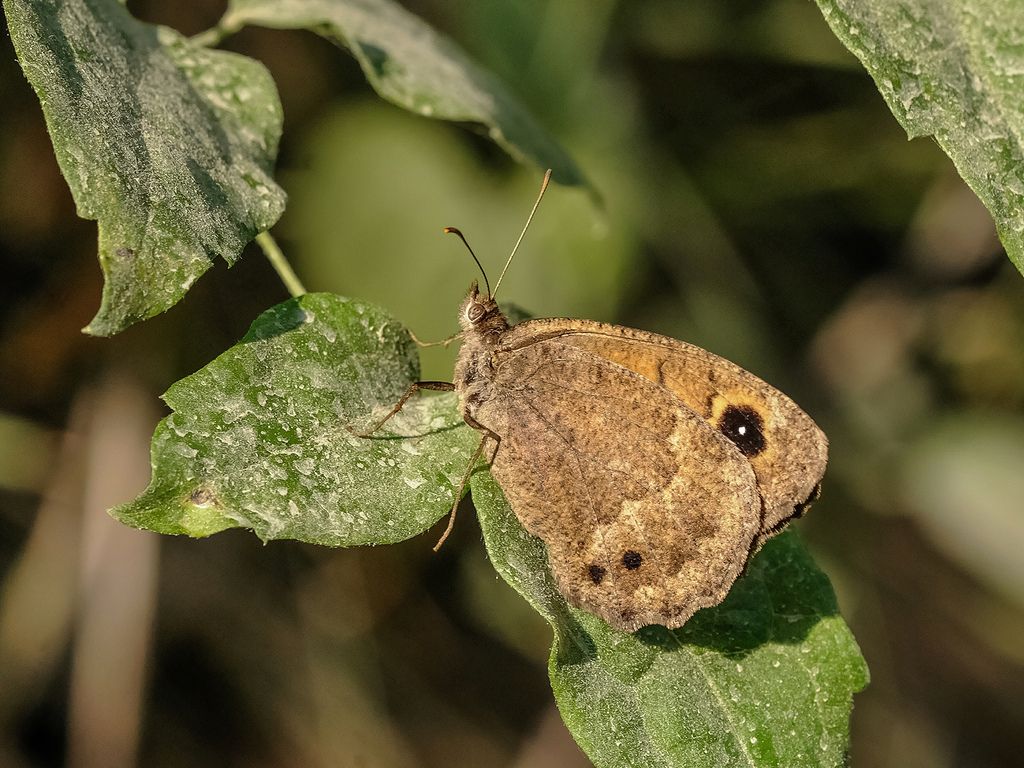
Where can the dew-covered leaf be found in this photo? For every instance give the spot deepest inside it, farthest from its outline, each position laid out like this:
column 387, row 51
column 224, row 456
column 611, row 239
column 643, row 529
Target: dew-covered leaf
column 954, row 71
column 413, row 66
column 260, row 437
column 764, row 679
column 168, row 145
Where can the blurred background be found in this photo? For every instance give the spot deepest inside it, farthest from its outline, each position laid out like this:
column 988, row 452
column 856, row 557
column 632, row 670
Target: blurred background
column 760, row 201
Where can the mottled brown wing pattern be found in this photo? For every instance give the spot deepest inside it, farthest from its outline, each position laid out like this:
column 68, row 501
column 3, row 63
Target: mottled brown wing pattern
column 786, row 449
column 647, row 512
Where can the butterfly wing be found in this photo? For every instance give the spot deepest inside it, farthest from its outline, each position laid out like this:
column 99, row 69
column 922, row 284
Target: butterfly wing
column 647, row 512
column 786, row 449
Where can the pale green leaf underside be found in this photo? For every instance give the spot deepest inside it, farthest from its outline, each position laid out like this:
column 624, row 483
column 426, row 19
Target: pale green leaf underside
column 413, row 66
column 955, row 71
column 260, row 438
column 765, row 679
column 168, row 145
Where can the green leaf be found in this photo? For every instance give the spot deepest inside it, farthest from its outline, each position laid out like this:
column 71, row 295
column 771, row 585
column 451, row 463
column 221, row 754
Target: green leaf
column 413, row 66
column 764, row 679
column 954, row 71
column 168, row 145
column 261, row 438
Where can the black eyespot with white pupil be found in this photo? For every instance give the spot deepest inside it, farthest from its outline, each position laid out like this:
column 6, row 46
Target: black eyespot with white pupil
column 475, row 312
column 745, row 427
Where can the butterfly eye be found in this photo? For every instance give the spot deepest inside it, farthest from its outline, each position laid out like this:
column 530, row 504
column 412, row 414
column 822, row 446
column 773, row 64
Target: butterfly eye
column 475, row 312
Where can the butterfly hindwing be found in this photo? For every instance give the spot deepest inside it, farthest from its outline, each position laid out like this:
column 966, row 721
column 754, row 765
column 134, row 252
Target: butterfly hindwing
column 648, row 512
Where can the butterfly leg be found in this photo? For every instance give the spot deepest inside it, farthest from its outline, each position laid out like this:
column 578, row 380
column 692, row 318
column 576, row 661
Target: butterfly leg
column 488, row 435
column 442, row 343
column 462, row 487
column 439, row 386
column 487, row 432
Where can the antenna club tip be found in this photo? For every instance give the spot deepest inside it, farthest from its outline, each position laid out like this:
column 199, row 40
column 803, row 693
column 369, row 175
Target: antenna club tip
column 451, row 231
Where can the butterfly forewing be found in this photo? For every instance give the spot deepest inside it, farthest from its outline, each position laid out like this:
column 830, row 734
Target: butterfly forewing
column 647, row 511
column 786, row 449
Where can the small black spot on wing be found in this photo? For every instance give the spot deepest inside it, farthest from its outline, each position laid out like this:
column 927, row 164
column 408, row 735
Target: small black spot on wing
column 798, row 511
column 803, row 506
column 596, row 573
column 745, row 427
column 631, row 560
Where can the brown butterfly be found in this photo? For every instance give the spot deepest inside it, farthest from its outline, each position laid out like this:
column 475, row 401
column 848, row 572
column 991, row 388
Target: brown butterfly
column 651, row 469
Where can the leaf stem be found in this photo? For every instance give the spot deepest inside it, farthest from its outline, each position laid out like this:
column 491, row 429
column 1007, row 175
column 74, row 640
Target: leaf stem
column 215, row 35
column 211, row 37
column 280, row 264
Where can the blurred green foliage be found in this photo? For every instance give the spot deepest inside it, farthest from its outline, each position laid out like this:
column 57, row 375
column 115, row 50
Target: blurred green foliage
column 760, row 200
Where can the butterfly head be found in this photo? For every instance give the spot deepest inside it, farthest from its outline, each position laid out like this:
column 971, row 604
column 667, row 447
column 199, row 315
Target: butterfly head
column 480, row 314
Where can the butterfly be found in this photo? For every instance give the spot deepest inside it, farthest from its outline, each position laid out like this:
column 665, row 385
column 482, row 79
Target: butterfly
column 651, row 469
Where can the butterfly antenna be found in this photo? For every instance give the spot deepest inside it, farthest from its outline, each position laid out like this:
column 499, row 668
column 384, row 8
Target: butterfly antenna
column 536, row 205
column 454, row 231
